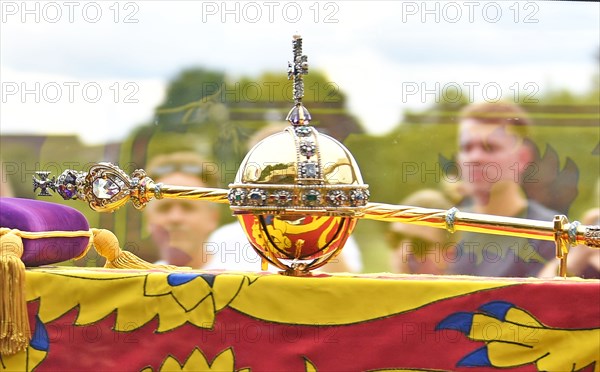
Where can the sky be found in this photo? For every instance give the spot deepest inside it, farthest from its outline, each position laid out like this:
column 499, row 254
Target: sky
column 97, row 69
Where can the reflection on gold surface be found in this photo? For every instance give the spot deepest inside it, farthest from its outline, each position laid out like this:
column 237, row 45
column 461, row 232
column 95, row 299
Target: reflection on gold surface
column 303, row 238
column 273, row 161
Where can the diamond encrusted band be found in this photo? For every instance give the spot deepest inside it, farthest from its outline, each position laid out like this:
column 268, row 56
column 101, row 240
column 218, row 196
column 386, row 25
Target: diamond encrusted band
column 256, row 196
column 308, row 156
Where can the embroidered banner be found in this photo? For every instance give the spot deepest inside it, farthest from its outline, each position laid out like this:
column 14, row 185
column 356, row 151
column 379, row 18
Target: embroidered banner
column 100, row 319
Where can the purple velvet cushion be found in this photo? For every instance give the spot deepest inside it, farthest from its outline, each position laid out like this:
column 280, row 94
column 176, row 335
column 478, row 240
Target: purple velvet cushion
column 35, row 215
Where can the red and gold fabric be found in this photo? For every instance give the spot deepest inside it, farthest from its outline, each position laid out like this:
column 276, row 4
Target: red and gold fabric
column 159, row 320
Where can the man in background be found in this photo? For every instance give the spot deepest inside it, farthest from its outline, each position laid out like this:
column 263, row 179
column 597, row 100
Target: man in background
column 180, row 228
column 493, row 156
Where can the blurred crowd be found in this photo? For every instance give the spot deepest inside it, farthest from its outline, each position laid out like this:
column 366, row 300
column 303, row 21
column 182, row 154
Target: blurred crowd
column 494, row 156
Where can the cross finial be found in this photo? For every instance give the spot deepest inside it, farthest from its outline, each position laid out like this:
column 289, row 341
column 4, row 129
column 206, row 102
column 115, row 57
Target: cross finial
column 43, row 183
column 298, row 115
column 297, row 68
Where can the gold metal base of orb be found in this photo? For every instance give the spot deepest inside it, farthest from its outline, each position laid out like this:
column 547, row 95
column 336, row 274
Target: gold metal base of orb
column 300, row 270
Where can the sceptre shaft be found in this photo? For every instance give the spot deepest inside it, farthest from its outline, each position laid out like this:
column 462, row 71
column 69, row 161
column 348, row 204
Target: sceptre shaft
column 105, row 187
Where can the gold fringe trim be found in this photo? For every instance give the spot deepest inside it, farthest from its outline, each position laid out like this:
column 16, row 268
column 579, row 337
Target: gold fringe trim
column 15, row 332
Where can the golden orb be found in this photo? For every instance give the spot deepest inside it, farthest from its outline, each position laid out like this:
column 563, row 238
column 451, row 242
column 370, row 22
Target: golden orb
column 297, row 195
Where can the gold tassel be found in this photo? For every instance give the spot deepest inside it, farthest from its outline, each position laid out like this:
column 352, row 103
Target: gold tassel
column 14, row 322
column 107, row 245
column 15, row 332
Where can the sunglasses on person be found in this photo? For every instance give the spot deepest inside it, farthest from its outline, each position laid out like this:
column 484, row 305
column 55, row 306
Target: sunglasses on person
column 187, row 168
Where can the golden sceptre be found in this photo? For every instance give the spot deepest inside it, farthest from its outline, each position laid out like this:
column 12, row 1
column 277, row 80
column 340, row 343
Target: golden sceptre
column 105, row 187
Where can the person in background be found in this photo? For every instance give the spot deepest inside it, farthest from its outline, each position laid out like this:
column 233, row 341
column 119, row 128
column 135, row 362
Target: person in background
column 493, row 156
column 180, row 228
column 421, row 249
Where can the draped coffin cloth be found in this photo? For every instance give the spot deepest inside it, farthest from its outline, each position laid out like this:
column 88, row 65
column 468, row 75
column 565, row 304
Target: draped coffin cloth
column 133, row 320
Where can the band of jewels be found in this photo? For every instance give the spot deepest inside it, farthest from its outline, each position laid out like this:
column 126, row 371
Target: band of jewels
column 306, row 197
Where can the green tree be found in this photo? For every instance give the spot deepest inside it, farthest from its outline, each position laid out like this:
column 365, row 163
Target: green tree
column 190, row 89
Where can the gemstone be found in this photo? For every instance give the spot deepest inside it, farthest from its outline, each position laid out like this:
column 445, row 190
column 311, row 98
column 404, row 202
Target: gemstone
column 67, row 185
column 294, row 116
column 311, row 197
column 359, row 197
column 70, row 179
column 307, row 149
column 236, row 196
column 66, row 192
column 282, row 197
column 257, row 197
column 303, row 131
column 309, row 169
column 105, row 188
column 336, row 198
